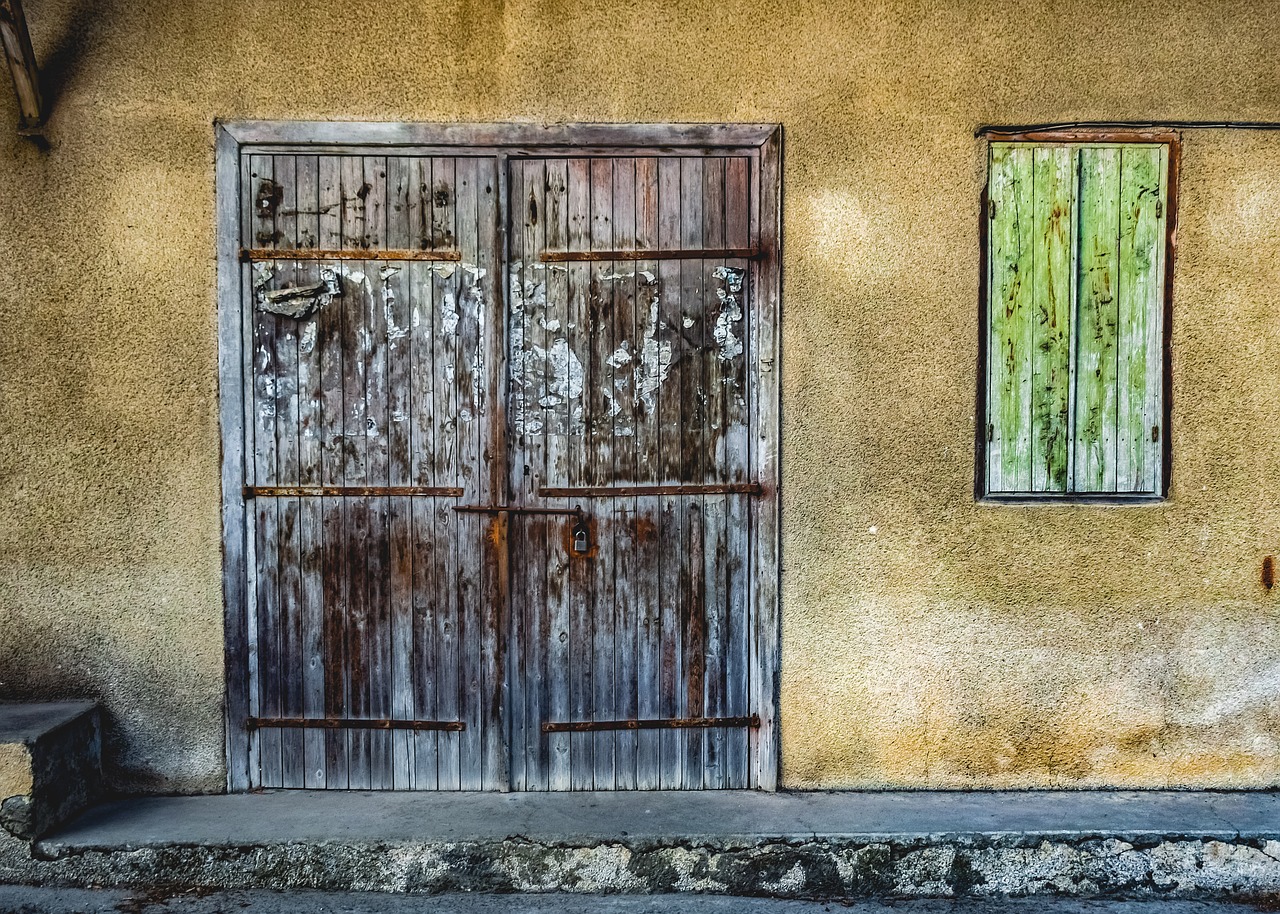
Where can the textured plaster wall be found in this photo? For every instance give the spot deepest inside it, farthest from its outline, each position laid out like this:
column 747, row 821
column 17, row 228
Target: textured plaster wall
column 928, row 641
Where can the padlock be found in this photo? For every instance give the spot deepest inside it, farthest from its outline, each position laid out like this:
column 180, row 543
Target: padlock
column 581, row 536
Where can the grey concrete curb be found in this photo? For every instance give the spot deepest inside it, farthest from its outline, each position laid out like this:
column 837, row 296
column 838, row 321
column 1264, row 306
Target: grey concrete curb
column 1185, row 868
column 799, row 845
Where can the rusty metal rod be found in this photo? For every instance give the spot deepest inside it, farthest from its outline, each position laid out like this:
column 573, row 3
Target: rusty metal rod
column 349, row 723
column 350, row 491
column 252, row 255
column 733, row 488
column 675, row 723
column 515, row 509
column 668, row 254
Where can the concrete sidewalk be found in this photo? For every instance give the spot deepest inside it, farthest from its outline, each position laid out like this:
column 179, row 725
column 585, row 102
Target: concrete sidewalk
column 788, row 845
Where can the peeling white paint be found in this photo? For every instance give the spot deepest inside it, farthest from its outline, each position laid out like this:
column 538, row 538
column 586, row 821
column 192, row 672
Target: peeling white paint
column 607, row 277
column 649, row 278
column 566, row 370
column 371, row 427
column 444, row 270
column 394, row 331
column 448, row 313
column 655, row 359
column 730, row 346
column 621, row 356
column 307, row 339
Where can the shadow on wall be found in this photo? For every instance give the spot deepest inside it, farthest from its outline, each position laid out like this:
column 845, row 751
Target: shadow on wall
column 61, row 44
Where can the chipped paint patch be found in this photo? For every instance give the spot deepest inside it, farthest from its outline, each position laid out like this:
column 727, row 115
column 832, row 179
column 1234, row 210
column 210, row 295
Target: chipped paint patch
column 621, row 356
column 394, row 331
column 730, row 296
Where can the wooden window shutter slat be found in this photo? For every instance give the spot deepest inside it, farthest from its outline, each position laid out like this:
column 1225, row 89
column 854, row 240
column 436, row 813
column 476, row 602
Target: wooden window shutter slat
column 1054, row 210
column 1138, row 458
column 1011, row 317
column 1098, row 305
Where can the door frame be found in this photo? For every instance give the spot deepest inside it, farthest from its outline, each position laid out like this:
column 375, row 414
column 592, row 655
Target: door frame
column 234, row 139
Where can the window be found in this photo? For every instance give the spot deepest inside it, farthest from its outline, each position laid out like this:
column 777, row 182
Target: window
column 1075, row 355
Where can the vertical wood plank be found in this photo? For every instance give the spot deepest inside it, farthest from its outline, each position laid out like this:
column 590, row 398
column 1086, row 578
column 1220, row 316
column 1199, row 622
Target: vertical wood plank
column 234, row 287
column 720, row 311
column 646, row 556
column 490, row 379
column 265, row 473
column 426, row 548
column 1156, row 465
column 331, row 326
column 1098, row 314
column 1054, row 196
column 311, row 519
column 598, row 347
column 288, row 510
column 356, row 342
column 574, row 339
column 449, row 528
column 561, row 669
column 377, row 424
column 737, row 464
column 468, row 374
column 522, row 678
column 691, row 441
column 665, row 394
column 396, row 304
column 1011, row 318
column 1139, row 311
column 620, row 426
column 767, row 215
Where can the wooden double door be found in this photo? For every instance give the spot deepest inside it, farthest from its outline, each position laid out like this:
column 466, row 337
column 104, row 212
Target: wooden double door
column 503, row 498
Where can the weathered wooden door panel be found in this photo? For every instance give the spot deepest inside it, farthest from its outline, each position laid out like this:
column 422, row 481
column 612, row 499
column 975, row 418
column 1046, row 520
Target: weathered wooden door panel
column 630, row 337
column 369, row 294
column 501, row 510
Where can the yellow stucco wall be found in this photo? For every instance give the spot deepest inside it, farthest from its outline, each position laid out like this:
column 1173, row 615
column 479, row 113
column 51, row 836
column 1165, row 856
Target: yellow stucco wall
column 928, row 641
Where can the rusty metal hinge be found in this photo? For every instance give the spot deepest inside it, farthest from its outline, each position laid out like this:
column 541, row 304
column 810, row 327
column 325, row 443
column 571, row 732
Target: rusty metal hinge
column 1159, row 208
column 1155, row 433
column 991, row 208
column 991, row 431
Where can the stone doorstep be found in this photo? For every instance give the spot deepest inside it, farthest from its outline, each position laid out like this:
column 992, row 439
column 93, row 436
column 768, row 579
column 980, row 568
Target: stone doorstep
column 1138, row 845
column 50, row 763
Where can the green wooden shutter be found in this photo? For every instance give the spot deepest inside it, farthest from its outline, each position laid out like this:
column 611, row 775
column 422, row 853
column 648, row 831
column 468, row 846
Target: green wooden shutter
column 1075, row 254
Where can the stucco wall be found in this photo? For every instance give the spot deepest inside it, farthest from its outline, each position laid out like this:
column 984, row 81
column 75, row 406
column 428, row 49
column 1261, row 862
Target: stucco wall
column 928, row 640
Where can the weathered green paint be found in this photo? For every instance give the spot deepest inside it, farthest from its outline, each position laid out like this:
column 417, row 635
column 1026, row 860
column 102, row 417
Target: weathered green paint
column 1076, row 285
column 1012, row 316
column 1051, row 383
column 1098, row 307
column 1137, row 455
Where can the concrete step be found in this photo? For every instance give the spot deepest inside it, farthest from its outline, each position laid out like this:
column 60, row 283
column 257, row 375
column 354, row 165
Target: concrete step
column 50, row 763
column 1125, row 845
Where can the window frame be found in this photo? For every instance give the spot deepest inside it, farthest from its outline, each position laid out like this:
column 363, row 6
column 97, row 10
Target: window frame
column 1078, row 135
